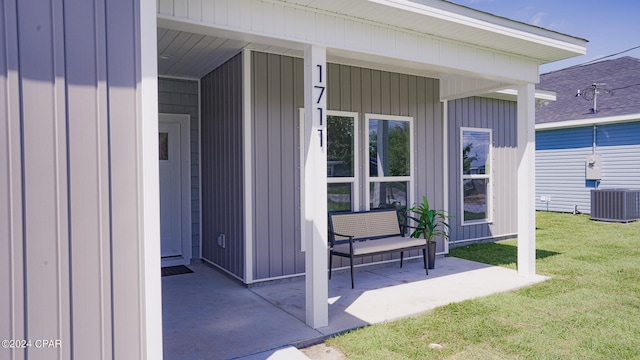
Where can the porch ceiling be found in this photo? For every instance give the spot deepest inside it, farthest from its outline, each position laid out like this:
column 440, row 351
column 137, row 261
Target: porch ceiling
column 190, row 55
column 185, row 54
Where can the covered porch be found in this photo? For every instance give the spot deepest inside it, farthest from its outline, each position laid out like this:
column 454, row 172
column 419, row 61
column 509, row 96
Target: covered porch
column 206, row 314
column 81, row 197
column 457, row 51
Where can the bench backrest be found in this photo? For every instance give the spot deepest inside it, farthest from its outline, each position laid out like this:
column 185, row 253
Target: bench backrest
column 365, row 224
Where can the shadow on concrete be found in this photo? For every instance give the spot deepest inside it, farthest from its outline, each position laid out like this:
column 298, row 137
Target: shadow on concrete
column 207, row 315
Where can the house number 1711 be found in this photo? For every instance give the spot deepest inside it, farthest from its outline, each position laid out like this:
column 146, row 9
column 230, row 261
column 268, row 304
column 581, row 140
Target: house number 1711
column 320, row 85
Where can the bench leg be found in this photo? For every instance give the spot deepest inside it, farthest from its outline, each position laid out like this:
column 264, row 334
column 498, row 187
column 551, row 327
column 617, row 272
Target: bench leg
column 330, row 263
column 351, row 263
column 424, row 258
column 401, row 257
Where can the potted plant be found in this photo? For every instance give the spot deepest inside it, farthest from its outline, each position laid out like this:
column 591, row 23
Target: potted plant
column 429, row 223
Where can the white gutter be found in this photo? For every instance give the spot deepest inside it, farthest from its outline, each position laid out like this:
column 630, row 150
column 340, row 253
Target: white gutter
column 587, row 122
column 496, row 24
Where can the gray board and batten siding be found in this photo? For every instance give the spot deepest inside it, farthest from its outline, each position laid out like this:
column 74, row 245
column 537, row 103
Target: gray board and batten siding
column 223, row 167
column 180, row 96
column 71, row 180
column 561, row 156
column 501, row 117
column 277, row 95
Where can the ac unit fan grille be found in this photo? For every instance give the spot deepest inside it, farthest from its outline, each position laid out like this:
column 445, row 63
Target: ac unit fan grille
column 619, row 205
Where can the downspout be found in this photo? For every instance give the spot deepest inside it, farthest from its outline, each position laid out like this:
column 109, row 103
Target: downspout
column 595, row 128
column 445, row 163
column 595, row 147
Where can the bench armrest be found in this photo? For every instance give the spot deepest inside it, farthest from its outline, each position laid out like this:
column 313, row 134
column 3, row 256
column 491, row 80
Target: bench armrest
column 334, row 234
column 332, row 238
column 343, row 235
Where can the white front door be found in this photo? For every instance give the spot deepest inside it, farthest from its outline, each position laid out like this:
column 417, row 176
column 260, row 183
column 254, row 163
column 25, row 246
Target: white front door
column 175, row 194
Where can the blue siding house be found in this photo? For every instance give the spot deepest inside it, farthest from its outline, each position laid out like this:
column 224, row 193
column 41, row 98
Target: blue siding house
column 589, row 138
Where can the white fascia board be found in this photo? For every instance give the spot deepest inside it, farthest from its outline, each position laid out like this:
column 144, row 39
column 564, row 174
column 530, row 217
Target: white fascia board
column 458, row 87
column 498, row 25
column 512, row 94
column 539, row 95
column 588, row 122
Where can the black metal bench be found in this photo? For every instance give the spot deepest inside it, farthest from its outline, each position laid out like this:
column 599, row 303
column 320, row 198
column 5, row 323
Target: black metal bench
column 366, row 233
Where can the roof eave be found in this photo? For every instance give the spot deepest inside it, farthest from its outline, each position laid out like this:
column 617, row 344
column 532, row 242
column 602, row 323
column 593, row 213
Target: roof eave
column 512, row 95
column 533, row 39
column 587, row 122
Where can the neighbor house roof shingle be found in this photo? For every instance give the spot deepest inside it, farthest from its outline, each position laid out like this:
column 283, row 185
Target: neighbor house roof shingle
column 621, row 75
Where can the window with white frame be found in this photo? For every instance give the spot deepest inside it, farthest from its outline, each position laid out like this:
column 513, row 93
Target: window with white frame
column 389, row 167
column 475, row 163
column 342, row 166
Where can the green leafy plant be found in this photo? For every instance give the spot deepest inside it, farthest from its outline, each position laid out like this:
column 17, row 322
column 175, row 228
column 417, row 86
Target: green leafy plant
column 429, row 222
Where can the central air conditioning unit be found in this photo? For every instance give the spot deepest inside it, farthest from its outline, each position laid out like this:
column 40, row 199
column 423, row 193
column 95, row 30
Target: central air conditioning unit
column 619, row 205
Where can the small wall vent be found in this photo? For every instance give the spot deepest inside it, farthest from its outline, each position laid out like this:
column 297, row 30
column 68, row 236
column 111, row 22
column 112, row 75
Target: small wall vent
column 619, row 205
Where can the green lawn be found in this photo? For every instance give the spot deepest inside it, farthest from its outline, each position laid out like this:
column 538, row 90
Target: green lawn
column 589, row 309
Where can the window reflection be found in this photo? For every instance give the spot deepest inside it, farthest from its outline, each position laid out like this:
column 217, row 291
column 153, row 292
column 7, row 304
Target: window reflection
column 389, row 148
column 475, row 199
column 341, row 161
column 340, row 146
column 163, row 142
column 339, row 197
column 388, row 195
column 475, row 152
column 476, row 174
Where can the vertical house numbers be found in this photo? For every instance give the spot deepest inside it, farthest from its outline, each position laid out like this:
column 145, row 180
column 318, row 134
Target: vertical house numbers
column 319, row 87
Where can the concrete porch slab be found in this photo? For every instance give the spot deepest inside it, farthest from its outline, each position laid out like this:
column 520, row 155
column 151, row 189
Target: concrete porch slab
column 387, row 292
column 206, row 315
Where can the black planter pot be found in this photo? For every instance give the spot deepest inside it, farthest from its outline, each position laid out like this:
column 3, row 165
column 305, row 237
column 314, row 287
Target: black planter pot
column 431, row 255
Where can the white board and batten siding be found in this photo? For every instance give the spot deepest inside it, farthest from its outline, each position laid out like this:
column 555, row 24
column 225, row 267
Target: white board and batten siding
column 561, row 156
column 73, row 246
column 501, row 117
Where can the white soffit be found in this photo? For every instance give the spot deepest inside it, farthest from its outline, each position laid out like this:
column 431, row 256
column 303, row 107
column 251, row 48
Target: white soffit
column 444, row 19
column 189, row 55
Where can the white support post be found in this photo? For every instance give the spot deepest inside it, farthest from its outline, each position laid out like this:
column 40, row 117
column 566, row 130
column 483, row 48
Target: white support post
column 248, row 169
column 148, row 111
column 315, row 189
column 526, row 181
column 445, row 163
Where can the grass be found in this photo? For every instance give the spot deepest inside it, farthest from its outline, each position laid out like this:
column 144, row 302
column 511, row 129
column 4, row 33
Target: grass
column 589, row 309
